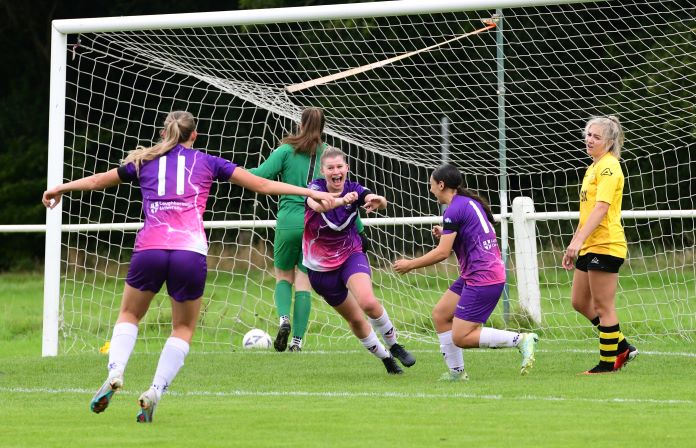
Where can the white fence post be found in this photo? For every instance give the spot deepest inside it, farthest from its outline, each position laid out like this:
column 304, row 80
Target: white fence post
column 526, row 264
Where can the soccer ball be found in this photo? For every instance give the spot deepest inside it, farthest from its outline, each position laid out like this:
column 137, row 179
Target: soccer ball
column 256, row 338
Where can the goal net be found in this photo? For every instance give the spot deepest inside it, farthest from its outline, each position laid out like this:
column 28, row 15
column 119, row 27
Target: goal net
column 506, row 105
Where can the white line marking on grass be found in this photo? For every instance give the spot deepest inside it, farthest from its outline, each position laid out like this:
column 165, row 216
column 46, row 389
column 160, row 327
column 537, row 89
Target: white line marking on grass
column 476, row 350
column 347, row 394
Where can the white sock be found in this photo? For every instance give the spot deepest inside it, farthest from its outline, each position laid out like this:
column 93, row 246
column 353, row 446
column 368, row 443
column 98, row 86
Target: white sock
column 121, row 346
column 453, row 355
column 296, row 341
column 372, row 344
column 494, row 338
column 284, row 320
column 171, row 360
column 383, row 326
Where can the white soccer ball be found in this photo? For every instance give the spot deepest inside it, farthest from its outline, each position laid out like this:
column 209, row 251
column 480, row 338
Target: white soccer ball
column 256, row 339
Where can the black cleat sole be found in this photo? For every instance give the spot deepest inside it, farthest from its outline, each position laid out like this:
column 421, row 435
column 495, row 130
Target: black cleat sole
column 391, row 366
column 281, row 340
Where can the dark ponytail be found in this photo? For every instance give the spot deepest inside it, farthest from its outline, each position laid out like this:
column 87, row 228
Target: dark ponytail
column 452, row 178
column 308, row 137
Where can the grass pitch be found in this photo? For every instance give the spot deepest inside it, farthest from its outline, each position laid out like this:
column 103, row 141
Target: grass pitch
column 340, row 397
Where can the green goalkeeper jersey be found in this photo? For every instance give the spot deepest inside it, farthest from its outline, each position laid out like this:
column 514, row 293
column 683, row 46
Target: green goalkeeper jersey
column 293, row 168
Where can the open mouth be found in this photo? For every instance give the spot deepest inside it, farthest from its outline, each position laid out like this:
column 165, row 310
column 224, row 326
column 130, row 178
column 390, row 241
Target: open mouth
column 337, row 180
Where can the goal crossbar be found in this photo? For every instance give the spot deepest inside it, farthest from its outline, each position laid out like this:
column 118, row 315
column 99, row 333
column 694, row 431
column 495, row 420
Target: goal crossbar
column 286, row 15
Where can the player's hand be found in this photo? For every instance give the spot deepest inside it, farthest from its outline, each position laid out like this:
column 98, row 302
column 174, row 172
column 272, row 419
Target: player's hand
column 372, row 202
column 325, row 198
column 349, row 198
column 51, row 198
column 437, row 232
column 402, row 266
column 571, row 254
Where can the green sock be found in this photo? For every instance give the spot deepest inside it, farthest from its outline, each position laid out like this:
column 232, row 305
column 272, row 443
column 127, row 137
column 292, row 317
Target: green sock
column 300, row 314
column 283, row 297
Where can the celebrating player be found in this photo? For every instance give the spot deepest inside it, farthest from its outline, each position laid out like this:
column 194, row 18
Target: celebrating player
column 336, row 264
column 171, row 247
column 599, row 243
column 464, row 308
column 295, row 162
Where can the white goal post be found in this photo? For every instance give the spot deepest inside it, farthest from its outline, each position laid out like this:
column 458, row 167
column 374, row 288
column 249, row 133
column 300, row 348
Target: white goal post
column 515, row 98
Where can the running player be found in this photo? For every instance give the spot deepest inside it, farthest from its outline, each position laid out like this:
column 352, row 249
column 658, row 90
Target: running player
column 468, row 303
column 171, row 247
column 336, row 264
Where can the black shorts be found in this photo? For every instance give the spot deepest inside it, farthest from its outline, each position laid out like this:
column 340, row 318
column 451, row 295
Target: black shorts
column 598, row 262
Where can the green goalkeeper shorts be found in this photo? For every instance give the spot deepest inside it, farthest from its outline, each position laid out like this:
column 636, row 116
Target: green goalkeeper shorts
column 287, row 249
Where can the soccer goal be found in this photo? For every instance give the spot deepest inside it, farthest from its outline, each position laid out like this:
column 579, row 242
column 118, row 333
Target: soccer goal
column 500, row 88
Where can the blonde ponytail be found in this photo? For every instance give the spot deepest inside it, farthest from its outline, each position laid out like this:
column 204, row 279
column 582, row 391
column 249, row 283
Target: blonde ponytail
column 612, row 131
column 178, row 127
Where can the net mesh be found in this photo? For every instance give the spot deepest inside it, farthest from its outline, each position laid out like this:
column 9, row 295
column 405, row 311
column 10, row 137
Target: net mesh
column 562, row 65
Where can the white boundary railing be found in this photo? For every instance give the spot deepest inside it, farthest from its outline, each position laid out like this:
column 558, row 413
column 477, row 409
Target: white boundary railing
column 528, row 215
column 526, row 264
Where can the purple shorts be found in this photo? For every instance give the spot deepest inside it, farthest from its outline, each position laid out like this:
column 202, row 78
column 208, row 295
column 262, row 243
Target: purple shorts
column 183, row 270
column 476, row 303
column 331, row 285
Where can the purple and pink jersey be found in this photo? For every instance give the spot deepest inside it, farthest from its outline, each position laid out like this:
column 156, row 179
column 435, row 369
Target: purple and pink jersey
column 175, row 189
column 475, row 245
column 330, row 238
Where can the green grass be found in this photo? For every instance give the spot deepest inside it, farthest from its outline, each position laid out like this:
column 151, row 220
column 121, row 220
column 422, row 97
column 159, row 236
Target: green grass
column 341, row 396
column 649, row 302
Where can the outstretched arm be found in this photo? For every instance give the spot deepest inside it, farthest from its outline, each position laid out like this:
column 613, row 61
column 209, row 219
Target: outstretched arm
column 441, row 252
column 258, row 184
column 51, row 198
column 349, row 198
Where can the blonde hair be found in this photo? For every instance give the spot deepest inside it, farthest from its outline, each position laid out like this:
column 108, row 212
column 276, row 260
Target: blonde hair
column 331, row 152
column 308, row 138
column 612, row 130
column 178, row 127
